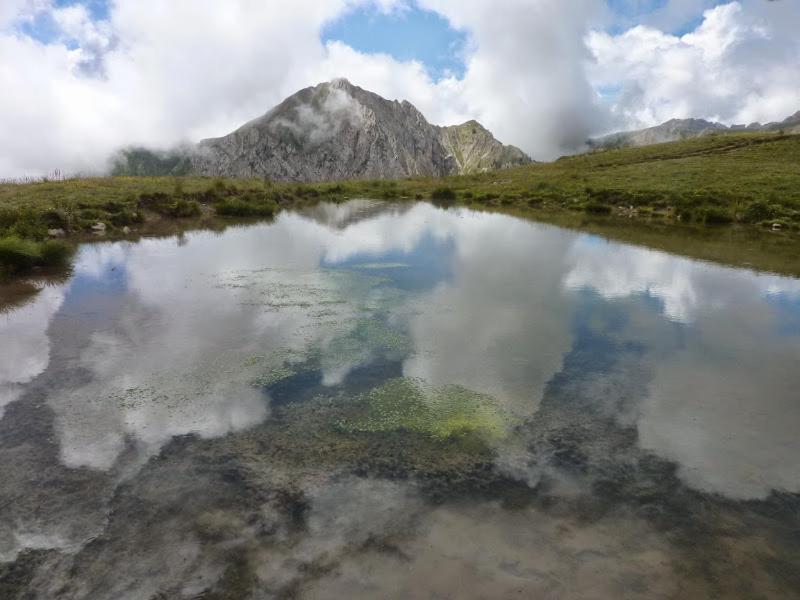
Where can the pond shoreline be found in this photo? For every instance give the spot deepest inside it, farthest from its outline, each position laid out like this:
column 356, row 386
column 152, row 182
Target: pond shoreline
column 739, row 246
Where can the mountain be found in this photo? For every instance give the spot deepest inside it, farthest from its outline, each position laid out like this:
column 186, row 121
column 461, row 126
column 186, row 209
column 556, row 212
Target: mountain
column 475, row 149
column 681, row 129
column 334, row 131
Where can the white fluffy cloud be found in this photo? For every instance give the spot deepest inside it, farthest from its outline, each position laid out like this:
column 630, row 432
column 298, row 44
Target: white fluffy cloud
column 172, row 71
column 159, row 73
column 20, row 10
column 740, row 65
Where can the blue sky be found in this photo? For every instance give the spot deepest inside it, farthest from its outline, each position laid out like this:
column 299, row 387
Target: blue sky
column 412, row 34
column 425, row 36
column 98, row 8
column 417, row 34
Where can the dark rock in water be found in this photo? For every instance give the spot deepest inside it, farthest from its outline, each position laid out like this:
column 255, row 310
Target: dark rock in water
column 336, row 131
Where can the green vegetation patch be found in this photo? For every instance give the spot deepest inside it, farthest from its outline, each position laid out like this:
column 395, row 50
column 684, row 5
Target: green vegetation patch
column 443, row 193
column 442, row 413
column 247, row 203
column 19, row 255
column 235, row 207
column 363, row 337
column 169, row 205
column 743, row 181
column 380, row 266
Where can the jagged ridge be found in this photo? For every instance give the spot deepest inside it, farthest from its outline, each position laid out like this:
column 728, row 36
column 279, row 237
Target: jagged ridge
column 680, row 129
column 337, row 131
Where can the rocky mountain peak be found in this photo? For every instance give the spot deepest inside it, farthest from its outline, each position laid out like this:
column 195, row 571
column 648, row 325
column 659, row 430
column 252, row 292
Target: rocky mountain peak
column 337, row 130
column 341, row 83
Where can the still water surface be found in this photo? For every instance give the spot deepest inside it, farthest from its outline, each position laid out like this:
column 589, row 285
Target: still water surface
column 400, row 401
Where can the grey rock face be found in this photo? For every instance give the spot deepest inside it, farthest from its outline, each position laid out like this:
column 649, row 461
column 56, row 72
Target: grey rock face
column 339, row 131
column 475, row 149
column 682, row 129
column 671, row 131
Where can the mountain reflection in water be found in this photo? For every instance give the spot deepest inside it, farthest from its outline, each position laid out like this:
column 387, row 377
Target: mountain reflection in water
column 376, row 400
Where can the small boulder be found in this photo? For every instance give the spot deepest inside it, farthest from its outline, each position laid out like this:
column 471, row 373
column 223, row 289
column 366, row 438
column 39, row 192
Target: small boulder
column 126, row 230
column 777, row 227
column 56, row 233
column 99, row 227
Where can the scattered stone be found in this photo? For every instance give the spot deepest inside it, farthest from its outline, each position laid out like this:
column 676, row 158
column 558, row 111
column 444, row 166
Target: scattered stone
column 99, row 227
column 56, row 233
column 126, row 230
column 777, row 227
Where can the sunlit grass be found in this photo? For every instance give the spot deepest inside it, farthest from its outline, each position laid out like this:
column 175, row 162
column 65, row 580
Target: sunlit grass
column 750, row 180
column 20, row 255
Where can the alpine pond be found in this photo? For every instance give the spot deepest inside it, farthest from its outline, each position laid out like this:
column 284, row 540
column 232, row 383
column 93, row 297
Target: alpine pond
column 369, row 400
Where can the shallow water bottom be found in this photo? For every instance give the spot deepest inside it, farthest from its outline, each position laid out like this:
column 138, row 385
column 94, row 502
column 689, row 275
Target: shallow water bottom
column 378, row 401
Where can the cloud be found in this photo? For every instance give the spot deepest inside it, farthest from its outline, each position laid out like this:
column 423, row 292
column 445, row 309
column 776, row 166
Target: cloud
column 21, row 10
column 482, row 330
column 525, row 77
column 668, row 16
column 708, row 405
column 318, row 124
column 687, row 289
column 738, row 66
column 176, row 71
column 157, row 74
column 29, row 355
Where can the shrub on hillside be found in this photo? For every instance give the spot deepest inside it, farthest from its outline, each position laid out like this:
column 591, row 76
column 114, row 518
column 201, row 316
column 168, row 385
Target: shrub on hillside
column 169, row 205
column 183, row 209
column 237, row 207
column 19, row 255
column 443, row 193
column 54, row 253
column 155, row 201
column 596, row 208
column 758, row 211
column 714, row 215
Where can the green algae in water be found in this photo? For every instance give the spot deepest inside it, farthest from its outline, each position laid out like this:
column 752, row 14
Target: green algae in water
column 380, row 266
column 365, row 337
column 442, row 413
column 272, row 377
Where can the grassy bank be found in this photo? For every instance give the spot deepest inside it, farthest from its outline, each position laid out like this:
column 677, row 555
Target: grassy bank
column 739, row 182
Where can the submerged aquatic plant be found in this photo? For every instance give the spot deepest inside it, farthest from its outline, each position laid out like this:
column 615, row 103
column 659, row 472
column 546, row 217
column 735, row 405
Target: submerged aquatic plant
column 442, row 413
column 272, row 377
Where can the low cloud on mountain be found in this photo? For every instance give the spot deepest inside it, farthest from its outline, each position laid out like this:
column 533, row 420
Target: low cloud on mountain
column 540, row 74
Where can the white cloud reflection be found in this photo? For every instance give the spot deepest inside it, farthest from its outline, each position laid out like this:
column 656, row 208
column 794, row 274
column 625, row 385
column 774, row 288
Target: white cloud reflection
column 173, row 354
column 686, row 288
column 25, row 347
column 723, row 402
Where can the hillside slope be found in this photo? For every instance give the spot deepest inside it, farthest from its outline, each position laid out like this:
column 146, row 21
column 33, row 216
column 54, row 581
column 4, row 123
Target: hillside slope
column 475, row 149
column 682, row 129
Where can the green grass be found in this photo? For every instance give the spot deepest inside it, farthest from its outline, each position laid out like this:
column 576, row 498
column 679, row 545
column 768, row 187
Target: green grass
column 444, row 194
column 747, row 178
column 743, row 180
column 19, row 255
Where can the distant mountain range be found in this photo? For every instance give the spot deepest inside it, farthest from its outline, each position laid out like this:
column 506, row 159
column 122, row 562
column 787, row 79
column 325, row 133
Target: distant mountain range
column 333, row 131
column 682, row 129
